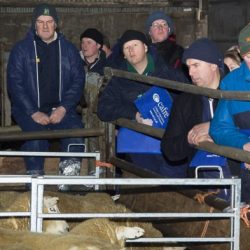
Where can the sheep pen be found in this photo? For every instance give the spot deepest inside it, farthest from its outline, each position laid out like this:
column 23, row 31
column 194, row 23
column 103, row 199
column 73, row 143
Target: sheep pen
column 20, row 202
column 163, row 199
column 92, row 234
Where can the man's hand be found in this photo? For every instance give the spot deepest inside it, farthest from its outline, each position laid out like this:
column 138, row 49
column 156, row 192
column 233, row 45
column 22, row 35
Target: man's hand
column 199, row 133
column 246, row 147
column 138, row 117
column 141, row 120
column 57, row 115
column 41, row 118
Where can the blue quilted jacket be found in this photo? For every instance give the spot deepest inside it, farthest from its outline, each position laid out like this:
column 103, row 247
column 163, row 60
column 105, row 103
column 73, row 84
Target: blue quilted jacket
column 231, row 123
column 23, row 79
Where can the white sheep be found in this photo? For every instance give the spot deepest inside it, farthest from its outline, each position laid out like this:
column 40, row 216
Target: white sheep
column 74, row 240
column 20, row 202
column 91, row 234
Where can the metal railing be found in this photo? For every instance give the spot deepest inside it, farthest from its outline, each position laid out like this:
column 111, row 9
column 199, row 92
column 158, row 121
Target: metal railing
column 27, row 179
column 37, row 190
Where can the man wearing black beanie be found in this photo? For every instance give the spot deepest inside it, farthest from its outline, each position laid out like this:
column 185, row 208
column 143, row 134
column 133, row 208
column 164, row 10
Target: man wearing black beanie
column 44, row 10
column 45, row 82
column 91, row 52
column 118, row 101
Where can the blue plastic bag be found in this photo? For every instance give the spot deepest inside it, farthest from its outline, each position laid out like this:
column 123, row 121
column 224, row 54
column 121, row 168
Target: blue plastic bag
column 204, row 158
column 154, row 104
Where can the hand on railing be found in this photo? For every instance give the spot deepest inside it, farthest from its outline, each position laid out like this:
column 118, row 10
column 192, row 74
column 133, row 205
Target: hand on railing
column 199, row 133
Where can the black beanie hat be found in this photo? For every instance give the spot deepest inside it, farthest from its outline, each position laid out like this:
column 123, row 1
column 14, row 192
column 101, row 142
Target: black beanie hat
column 94, row 34
column 133, row 35
column 44, row 10
column 205, row 50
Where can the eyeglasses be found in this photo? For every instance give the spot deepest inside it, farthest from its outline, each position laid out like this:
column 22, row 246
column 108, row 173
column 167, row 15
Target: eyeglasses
column 42, row 23
column 159, row 25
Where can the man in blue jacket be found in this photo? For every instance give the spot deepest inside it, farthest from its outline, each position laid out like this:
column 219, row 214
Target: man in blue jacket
column 231, row 124
column 45, row 81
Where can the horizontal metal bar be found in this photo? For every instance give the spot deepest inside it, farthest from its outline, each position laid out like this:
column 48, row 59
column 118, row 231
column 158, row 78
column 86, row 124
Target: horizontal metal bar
column 49, row 154
column 15, row 179
column 176, row 240
column 137, row 215
column 83, row 180
column 16, row 214
column 78, row 180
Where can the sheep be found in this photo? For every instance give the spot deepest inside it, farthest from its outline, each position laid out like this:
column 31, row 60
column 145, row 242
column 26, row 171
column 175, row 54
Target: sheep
column 108, row 230
column 20, row 202
column 92, row 234
column 16, row 240
column 104, row 228
column 53, row 226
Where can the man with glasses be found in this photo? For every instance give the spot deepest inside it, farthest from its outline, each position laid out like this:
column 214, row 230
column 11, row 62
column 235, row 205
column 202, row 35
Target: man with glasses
column 160, row 29
column 45, row 81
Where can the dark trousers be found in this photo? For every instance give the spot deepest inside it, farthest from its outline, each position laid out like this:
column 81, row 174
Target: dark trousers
column 34, row 163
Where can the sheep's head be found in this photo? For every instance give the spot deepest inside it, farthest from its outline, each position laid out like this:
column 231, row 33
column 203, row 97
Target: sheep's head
column 53, row 226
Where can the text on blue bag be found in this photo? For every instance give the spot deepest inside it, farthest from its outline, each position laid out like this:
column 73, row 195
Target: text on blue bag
column 155, row 104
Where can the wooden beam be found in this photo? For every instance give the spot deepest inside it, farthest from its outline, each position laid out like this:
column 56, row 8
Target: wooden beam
column 51, row 134
column 168, row 84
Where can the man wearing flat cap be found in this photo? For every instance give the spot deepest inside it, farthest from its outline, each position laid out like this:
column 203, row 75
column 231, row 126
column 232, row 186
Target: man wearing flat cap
column 231, row 124
column 191, row 114
column 45, row 81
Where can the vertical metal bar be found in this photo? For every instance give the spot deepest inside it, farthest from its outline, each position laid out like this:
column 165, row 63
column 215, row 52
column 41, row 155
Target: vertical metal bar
column 40, row 205
column 33, row 210
column 232, row 219
column 97, row 169
column 236, row 233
